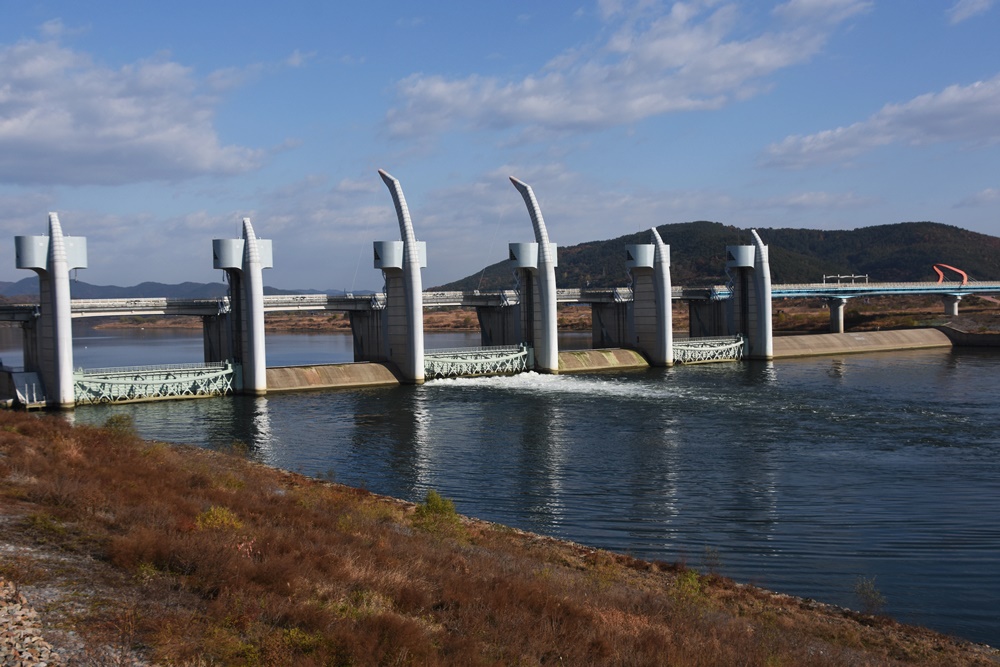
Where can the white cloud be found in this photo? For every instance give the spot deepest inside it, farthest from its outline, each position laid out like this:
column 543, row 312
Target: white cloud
column 967, row 114
column 986, row 197
column 833, row 11
column 298, row 59
column 67, row 120
column 966, row 9
column 694, row 56
column 815, row 200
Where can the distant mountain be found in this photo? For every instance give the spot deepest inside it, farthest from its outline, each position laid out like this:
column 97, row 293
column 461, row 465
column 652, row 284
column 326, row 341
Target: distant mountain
column 27, row 289
column 899, row 252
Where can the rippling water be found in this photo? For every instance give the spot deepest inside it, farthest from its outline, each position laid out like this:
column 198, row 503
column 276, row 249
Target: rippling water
column 799, row 476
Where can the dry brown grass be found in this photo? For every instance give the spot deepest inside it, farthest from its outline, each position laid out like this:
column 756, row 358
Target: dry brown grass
column 217, row 561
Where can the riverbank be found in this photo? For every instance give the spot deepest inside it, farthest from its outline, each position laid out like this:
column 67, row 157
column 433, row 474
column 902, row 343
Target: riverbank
column 176, row 555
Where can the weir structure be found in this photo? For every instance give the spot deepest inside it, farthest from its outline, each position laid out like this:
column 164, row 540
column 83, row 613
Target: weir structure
column 518, row 327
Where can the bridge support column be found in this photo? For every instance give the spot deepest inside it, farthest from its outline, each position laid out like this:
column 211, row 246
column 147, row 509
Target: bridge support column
column 244, row 261
column 51, row 356
column 541, row 319
column 951, row 304
column 750, row 302
column 836, row 306
column 500, row 325
column 401, row 263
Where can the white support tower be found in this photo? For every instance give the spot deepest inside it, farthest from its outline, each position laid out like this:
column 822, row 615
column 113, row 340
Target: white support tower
column 763, row 347
column 750, row 303
column 541, row 312
column 244, row 261
column 651, row 328
column 49, row 344
column 404, row 290
column 663, row 351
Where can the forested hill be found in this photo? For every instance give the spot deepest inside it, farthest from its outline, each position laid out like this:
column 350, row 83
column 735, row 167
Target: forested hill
column 899, row 252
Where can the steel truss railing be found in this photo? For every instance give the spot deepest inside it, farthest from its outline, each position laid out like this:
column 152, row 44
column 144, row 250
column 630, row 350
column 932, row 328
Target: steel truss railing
column 473, row 361
column 705, row 350
column 139, row 383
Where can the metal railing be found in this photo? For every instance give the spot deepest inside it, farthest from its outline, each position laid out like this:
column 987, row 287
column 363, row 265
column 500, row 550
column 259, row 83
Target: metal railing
column 706, row 350
column 141, row 383
column 475, row 361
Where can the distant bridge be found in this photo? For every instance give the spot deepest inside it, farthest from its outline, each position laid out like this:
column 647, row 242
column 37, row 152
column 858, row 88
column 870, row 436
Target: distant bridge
column 82, row 308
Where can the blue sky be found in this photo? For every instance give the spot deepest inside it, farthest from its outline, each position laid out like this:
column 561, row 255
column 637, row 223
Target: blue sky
column 153, row 128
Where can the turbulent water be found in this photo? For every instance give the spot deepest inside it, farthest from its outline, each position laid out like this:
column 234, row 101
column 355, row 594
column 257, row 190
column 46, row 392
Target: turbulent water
column 800, row 476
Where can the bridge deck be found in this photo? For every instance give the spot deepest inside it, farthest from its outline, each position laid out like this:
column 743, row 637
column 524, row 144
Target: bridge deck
column 360, row 302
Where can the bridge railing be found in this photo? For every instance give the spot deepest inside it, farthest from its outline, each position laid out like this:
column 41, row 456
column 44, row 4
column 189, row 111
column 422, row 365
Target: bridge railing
column 154, row 369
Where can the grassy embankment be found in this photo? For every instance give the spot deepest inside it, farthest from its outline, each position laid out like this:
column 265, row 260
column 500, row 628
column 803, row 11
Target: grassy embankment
column 191, row 557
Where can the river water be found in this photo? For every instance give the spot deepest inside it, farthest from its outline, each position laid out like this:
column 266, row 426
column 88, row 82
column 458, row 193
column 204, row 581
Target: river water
column 800, row 476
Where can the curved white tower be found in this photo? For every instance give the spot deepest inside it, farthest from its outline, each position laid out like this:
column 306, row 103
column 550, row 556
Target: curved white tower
column 244, row 261
column 255, row 357
column 663, row 353
column 764, row 345
column 411, row 363
column 50, row 352
column 546, row 339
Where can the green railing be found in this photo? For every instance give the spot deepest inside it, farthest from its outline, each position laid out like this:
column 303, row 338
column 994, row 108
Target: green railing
column 145, row 383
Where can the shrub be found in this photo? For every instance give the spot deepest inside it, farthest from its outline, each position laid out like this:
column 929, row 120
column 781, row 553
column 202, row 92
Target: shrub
column 218, row 518
column 871, row 599
column 437, row 515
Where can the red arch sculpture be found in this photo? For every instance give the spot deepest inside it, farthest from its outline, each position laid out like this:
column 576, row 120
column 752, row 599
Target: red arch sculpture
column 965, row 277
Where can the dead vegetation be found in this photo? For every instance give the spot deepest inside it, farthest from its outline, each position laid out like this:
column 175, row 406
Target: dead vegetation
column 188, row 557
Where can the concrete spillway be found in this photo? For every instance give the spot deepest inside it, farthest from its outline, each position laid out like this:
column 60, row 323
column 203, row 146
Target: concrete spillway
column 863, row 341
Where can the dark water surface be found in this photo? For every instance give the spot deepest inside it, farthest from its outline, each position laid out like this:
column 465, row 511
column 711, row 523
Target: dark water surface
column 799, row 476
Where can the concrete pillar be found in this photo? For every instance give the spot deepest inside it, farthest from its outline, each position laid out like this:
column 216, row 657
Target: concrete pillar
column 641, row 333
column 545, row 335
column 663, row 347
column 404, row 293
column 244, row 261
column 951, row 304
column 52, row 257
column 750, row 300
column 836, row 314
column 763, row 346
